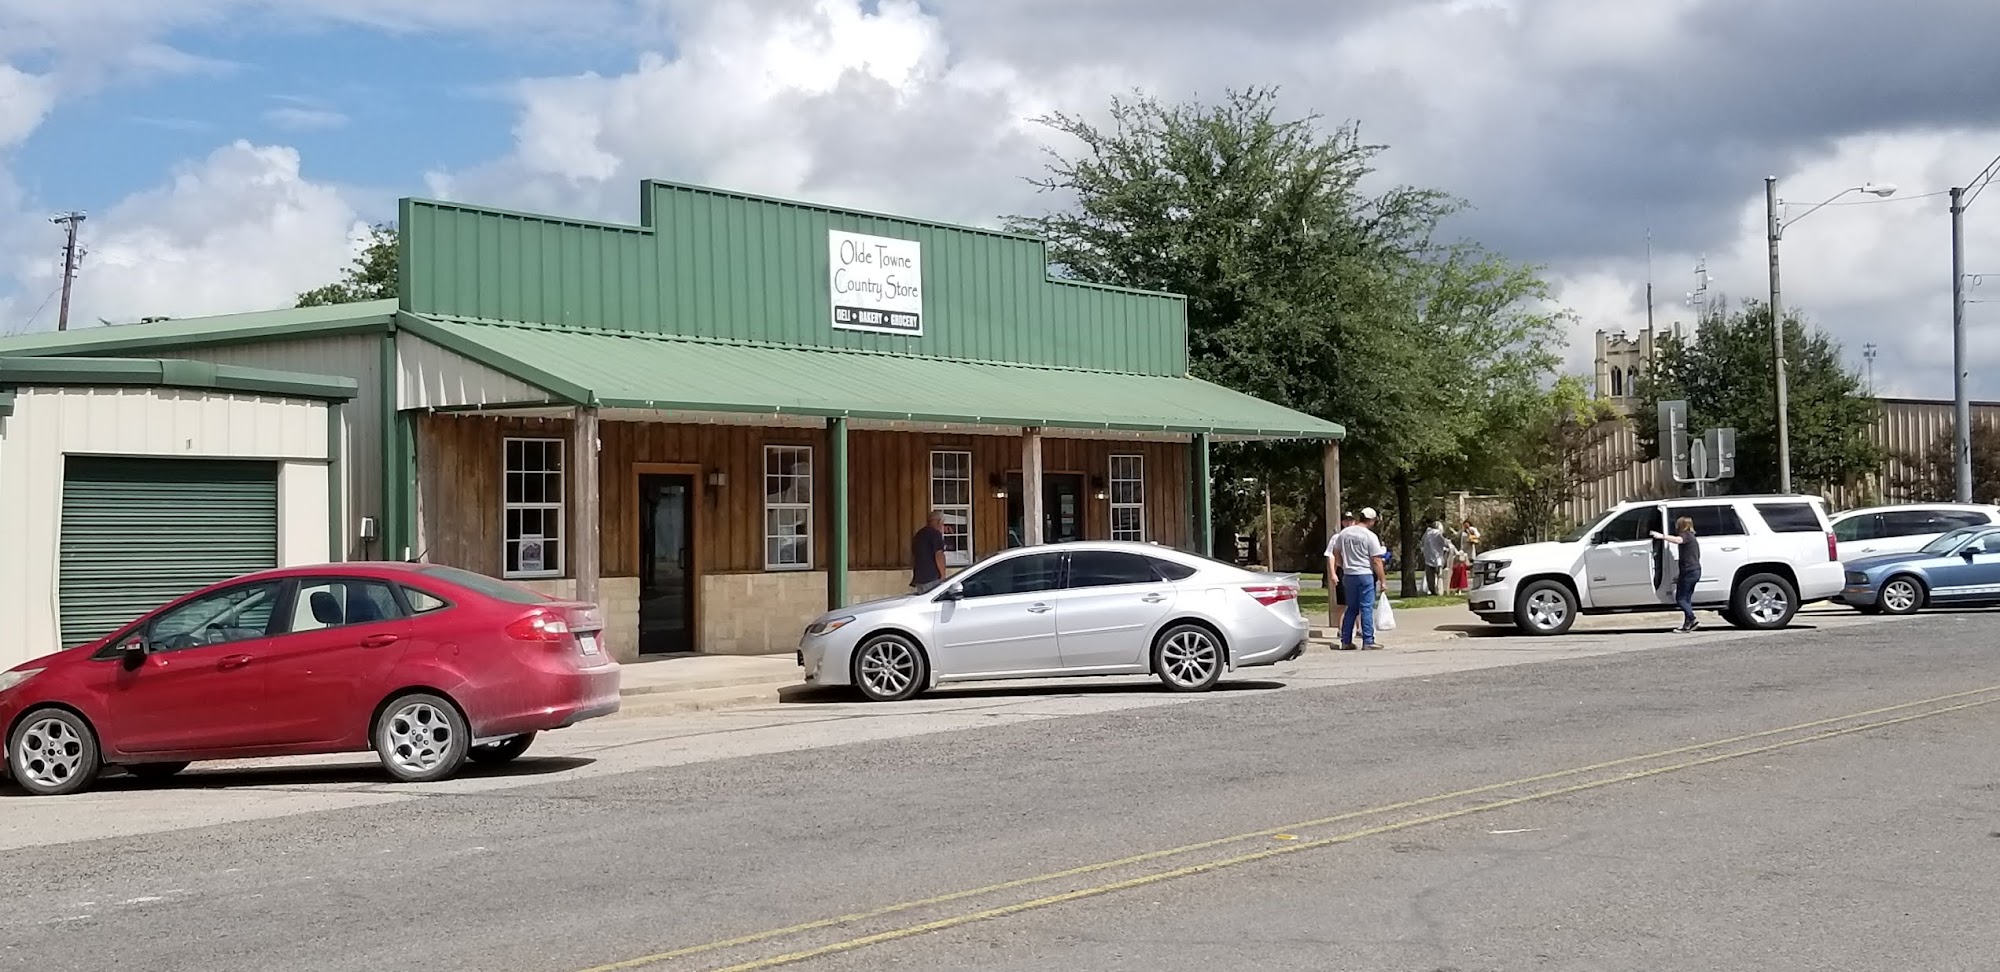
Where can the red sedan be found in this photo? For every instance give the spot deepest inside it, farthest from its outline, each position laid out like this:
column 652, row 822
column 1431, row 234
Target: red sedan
column 427, row 666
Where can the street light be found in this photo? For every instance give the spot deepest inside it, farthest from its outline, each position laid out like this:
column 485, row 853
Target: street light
column 1961, row 407
column 1775, row 231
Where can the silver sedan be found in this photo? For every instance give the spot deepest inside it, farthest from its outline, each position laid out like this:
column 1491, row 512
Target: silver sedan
column 1060, row 611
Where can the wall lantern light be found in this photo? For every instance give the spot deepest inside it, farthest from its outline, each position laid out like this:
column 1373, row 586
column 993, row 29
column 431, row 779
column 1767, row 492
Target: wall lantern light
column 1097, row 487
column 718, row 479
column 999, row 484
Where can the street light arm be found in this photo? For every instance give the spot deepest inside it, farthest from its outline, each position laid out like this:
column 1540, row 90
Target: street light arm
column 1782, row 222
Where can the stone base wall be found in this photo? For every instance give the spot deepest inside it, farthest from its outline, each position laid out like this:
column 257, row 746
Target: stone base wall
column 762, row 614
column 618, row 597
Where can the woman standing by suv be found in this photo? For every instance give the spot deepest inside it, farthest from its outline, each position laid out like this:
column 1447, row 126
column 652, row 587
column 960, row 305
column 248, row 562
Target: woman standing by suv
column 1690, row 569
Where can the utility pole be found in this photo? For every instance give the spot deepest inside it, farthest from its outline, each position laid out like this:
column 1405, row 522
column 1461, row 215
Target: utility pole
column 1868, row 352
column 1961, row 445
column 1778, row 338
column 70, row 257
column 1649, row 278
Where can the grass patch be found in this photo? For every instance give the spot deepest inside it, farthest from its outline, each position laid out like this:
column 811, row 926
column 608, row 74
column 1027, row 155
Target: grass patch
column 1313, row 602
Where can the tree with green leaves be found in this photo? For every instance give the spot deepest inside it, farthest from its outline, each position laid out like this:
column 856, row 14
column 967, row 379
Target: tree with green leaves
column 1553, row 457
column 372, row 275
column 1724, row 373
column 1303, row 289
column 1933, row 475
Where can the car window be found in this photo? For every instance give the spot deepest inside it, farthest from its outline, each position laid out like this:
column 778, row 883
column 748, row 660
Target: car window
column 424, row 602
column 1709, row 520
column 1025, row 574
column 1950, row 541
column 340, row 603
column 1637, row 523
column 1862, row 526
column 1988, row 544
column 1173, row 571
column 1109, row 568
column 1795, row 518
column 492, row 587
column 1910, row 523
column 1962, row 518
column 224, row 617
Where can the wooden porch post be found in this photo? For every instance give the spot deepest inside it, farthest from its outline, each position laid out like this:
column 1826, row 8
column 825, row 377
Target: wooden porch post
column 1204, row 498
column 1031, row 487
column 586, row 551
column 1330, row 468
column 836, row 546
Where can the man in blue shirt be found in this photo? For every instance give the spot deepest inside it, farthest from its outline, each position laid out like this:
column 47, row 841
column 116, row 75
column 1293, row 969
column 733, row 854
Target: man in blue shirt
column 927, row 553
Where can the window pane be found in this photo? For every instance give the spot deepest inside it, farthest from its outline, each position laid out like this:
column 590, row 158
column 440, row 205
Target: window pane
column 1127, row 491
column 1633, row 524
column 1127, row 523
column 1026, row 574
column 1173, row 571
column 1799, row 518
column 423, row 602
column 1103, row 568
column 514, row 447
column 1709, row 521
column 237, row 614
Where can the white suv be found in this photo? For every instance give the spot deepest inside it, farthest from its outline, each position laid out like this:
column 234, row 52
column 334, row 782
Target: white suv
column 1762, row 557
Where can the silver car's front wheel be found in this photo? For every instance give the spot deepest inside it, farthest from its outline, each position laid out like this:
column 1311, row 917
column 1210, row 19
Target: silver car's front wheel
column 890, row 668
column 1188, row 658
column 421, row 738
column 1901, row 595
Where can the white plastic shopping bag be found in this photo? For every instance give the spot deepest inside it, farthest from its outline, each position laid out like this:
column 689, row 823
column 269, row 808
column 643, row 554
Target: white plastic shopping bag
column 1385, row 617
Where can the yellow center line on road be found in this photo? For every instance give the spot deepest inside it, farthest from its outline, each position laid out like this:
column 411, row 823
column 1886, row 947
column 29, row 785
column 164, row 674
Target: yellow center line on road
column 886, row 910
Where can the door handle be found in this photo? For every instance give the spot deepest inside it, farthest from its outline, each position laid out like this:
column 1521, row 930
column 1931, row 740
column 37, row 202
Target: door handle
column 378, row 641
column 231, row 662
column 1154, row 598
column 1038, row 609
column 1731, row 549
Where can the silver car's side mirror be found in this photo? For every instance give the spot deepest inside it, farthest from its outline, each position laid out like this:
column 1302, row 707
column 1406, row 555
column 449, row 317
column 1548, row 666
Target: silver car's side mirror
column 953, row 593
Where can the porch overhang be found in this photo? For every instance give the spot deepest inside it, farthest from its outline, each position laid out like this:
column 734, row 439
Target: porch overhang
column 673, row 379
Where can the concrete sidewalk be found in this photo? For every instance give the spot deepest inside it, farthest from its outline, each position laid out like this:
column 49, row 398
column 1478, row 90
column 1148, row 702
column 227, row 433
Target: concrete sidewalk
column 701, row 683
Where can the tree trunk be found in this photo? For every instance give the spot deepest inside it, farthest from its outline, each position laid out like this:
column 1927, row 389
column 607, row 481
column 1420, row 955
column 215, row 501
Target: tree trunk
column 1408, row 547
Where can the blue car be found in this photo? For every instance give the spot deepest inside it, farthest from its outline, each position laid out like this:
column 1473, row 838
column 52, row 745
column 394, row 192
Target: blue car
column 1960, row 567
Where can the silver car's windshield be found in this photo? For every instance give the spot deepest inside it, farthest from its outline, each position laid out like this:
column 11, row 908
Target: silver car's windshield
column 1945, row 544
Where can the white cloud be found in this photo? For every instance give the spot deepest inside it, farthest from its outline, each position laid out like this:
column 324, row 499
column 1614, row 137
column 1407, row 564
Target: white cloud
column 25, row 99
column 241, row 229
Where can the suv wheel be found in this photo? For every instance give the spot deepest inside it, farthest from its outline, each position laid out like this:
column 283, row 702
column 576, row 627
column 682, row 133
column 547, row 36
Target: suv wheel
column 1763, row 602
column 1545, row 607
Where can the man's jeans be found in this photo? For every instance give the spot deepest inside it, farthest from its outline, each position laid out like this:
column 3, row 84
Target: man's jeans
column 1684, row 594
column 1359, row 590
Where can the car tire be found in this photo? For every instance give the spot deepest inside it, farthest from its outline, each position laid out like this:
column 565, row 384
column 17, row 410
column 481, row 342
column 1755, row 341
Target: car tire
column 154, row 771
column 421, row 738
column 1901, row 594
column 505, row 751
column 1545, row 608
column 53, row 752
column 1763, row 602
column 1188, row 658
column 889, row 668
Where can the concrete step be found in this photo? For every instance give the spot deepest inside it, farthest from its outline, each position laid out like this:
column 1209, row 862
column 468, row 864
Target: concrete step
column 700, row 700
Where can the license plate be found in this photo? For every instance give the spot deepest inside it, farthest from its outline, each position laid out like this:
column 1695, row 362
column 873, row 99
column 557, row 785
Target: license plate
column 588, row 641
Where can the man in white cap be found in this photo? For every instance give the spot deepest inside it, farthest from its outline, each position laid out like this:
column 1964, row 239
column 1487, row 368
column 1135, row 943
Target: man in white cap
column 1354, row 556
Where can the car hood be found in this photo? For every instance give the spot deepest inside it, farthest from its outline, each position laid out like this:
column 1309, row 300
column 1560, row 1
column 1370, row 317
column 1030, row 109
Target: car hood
column 55, row 656
column 1550, row 551
column 1866, row 564
column 875, row 606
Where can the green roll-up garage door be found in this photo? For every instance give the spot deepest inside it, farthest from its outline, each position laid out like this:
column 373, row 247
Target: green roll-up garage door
column 137, row 533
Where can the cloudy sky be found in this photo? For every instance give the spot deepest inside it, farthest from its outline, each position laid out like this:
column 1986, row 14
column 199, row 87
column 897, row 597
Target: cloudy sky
column 229, row 151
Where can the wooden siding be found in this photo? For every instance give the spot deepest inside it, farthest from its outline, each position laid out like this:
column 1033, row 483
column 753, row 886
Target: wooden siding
column 459, row 478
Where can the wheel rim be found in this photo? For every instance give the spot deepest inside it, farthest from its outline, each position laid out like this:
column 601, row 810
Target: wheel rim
column 888, row 668
column 1767, row 603
column 420, row 737
column 1189, row 657
column 1899, row 595
column 50, row 753
column 1547, row 610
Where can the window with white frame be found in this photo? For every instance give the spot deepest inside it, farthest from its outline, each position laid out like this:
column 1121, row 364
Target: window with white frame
column 532, row 517
column 951, row 497
column 788, row 507
column 1128, row 498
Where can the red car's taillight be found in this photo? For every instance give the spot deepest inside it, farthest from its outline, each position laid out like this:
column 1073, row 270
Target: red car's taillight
column 1269, row 594
column 1832, row 548
column 539, row 626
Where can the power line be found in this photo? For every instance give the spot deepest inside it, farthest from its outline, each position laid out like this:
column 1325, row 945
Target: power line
column 23, row 329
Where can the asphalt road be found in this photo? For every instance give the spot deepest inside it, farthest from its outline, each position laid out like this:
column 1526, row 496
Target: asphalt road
column 1809, row 800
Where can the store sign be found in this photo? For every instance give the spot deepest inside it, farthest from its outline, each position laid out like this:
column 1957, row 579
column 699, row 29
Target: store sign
column 877, row 283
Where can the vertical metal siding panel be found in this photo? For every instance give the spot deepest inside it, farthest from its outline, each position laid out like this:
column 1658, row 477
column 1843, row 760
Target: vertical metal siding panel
column 510, row 271
column 687, row 301
column 759, row 267
column 485, row 296
column 702, row 237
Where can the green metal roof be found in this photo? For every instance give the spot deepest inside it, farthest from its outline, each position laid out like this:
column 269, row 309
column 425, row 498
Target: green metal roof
column 17, row 372
column 288, row 324
column 623, row 371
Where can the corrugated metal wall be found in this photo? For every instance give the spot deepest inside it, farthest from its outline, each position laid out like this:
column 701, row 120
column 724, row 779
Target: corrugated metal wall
column 1906, row 428
column 356, row 356
column 429, row 376
column 737, row 267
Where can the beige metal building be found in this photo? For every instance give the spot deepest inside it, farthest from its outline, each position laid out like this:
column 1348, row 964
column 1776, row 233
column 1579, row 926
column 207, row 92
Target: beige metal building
column 127, row 481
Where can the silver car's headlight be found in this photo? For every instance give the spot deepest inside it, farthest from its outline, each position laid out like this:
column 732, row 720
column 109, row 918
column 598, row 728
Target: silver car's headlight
column 828, row 626
column 10, row 679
